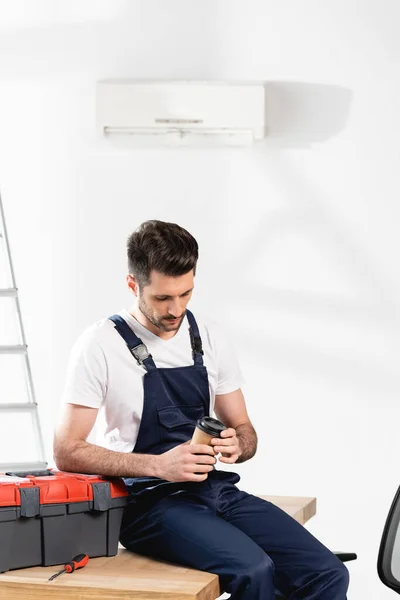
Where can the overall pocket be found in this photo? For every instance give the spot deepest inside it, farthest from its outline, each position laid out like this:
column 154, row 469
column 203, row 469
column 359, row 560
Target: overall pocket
column 177, row 423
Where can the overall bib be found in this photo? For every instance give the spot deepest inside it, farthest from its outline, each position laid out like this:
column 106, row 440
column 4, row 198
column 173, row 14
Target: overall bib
column 212, row 525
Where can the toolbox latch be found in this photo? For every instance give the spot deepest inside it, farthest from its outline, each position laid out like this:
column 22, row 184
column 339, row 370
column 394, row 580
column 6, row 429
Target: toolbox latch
column 30, row 501
column 101, row 496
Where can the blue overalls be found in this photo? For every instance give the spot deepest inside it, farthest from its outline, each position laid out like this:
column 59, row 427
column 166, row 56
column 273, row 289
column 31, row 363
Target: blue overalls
column 213, row 526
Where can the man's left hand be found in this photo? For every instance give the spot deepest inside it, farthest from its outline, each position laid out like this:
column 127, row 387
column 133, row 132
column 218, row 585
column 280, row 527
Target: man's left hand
column 227, row 445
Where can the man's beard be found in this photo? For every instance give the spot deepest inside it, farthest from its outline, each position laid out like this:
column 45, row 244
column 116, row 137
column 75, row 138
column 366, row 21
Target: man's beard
column 160, row 323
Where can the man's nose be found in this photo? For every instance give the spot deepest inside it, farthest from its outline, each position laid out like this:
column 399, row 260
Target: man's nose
column 175, row 308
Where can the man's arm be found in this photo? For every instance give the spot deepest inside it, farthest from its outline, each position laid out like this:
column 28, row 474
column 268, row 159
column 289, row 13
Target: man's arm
column 185, row 462
column 231, row 410
column 73, row 453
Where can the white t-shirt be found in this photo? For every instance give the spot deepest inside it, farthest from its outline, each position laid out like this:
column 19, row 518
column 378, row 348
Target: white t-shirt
column 103, row 374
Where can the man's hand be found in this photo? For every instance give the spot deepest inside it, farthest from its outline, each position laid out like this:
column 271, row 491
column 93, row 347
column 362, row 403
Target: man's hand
column 228, row 445
column 186, row 462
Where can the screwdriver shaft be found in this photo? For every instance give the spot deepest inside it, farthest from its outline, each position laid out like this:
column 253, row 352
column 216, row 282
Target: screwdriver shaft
column 56, row 575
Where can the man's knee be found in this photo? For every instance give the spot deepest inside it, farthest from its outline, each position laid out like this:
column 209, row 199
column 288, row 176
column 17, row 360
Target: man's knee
column 335, row 576
column 254, row 575
column 262, row 567
column 340, row 575
column 255, row 567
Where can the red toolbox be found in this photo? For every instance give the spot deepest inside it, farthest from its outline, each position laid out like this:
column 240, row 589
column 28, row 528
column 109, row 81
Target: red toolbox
column 47, row 518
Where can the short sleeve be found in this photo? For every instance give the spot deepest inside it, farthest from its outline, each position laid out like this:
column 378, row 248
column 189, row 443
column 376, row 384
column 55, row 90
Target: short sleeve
column 229, row 374
column 86, row 377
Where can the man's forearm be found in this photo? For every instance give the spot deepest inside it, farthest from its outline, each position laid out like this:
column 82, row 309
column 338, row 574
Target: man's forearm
column 81, row 457
column 247, row 441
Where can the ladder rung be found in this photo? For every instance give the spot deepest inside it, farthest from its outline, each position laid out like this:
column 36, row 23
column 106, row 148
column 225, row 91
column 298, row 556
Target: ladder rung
column 28, row 466
column 17, row 406
column 8, row 293
column 16, row 349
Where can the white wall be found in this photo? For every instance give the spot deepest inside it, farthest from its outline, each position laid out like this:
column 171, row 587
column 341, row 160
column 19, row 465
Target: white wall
column 299, row 239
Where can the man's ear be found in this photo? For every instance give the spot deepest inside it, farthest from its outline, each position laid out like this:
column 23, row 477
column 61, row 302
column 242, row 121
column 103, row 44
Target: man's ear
column 132, row 284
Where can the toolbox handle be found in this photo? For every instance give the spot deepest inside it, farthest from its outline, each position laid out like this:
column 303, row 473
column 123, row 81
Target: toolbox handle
column 44, row 473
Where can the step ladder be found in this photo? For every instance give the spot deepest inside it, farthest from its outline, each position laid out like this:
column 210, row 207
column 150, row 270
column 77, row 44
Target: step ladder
column 21, row 441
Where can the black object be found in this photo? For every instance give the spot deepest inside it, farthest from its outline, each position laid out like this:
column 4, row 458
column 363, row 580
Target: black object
column 211, row 426
column 346, row 556
column 196, row 343
column 388, row 569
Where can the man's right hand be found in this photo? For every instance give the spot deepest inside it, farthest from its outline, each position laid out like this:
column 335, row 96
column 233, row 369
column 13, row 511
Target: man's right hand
column 186, row 462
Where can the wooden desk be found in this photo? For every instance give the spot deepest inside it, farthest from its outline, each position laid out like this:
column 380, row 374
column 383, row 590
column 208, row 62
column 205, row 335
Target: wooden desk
column 129, row 576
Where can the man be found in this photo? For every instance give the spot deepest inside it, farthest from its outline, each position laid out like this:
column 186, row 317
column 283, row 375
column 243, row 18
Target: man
column 153, row 371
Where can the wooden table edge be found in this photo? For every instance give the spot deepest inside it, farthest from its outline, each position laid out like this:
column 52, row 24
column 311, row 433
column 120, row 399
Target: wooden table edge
column 27, row 588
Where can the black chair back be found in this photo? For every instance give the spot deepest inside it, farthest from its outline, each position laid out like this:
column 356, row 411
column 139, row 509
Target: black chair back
column 389, row 551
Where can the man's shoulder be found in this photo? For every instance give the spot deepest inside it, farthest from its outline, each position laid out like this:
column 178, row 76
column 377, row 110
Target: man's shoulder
column 95, row 334
column 210, row 327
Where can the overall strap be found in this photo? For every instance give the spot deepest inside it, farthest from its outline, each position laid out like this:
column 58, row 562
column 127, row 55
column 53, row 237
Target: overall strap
column 135, row 345
column 195, row 340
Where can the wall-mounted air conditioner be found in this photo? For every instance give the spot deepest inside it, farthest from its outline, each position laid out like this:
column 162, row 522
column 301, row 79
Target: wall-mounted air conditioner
column 182, row 112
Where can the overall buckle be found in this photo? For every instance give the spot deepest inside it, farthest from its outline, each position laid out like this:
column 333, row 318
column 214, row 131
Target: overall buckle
column 197, row 347
column 141, row 353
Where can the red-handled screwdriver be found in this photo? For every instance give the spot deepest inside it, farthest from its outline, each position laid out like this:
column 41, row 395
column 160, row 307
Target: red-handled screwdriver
column 77, row 562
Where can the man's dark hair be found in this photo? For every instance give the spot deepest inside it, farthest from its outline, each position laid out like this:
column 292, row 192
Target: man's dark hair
column 163, row 247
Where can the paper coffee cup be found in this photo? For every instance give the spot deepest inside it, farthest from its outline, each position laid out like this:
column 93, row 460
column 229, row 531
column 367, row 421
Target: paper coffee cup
column 206, row 429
